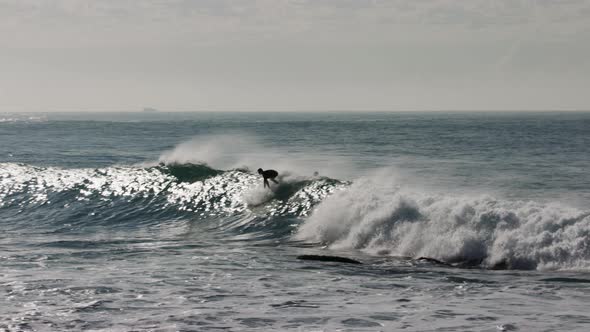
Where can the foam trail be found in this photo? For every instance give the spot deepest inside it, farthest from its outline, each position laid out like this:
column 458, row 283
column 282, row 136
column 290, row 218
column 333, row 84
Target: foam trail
column 380, row 218
column 258, row 195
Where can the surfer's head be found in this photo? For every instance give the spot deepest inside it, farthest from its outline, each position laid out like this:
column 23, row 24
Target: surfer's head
column 260, row 171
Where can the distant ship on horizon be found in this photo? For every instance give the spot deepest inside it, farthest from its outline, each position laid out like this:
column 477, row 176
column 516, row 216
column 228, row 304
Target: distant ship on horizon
column 150, row 110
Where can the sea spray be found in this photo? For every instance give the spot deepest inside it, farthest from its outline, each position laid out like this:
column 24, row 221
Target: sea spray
column 238, row 150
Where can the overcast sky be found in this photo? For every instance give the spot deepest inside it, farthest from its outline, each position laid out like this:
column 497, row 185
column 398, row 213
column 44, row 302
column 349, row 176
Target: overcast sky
column 275, row 55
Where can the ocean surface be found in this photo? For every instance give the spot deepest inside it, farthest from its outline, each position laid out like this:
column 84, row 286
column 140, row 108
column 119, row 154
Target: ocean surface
column 159, row 221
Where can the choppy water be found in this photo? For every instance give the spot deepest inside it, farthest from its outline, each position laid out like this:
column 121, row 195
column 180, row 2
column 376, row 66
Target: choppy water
column 135, row 222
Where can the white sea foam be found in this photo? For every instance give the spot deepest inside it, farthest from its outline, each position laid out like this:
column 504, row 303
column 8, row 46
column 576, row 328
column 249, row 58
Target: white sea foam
column 21, row 118
column 379, row 216
column 257, row 195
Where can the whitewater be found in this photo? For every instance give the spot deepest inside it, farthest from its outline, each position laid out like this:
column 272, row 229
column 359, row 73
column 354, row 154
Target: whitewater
column 159, row 222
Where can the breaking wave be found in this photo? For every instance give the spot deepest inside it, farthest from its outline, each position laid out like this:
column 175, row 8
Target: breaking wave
column 469, row 230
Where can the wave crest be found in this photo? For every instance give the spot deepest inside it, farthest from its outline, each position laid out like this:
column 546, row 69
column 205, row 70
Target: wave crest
column 189, row 172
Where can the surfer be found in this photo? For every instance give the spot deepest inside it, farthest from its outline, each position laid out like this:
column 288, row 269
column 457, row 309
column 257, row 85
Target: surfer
column 268, row 174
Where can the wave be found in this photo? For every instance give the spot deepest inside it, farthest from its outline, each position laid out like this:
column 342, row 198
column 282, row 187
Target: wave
column 382, row 218
column 121, row 194
column 379, row 215
column 21, row 118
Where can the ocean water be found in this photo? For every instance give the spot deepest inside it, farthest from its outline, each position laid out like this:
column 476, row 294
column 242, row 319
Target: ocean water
column 159, row 222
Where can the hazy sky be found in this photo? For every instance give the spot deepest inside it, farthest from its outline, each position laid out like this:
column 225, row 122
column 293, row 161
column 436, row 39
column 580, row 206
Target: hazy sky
column 92, row 55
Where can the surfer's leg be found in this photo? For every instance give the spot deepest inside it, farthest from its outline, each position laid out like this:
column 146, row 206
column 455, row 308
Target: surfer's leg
column 266, row 183
column 273, row 180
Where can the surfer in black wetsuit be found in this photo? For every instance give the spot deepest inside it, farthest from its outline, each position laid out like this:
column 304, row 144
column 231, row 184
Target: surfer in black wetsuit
column 268, row 174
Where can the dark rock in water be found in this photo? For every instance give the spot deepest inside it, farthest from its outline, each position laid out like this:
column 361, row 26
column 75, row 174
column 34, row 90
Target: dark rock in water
column 433, row 260
column 328, row 259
